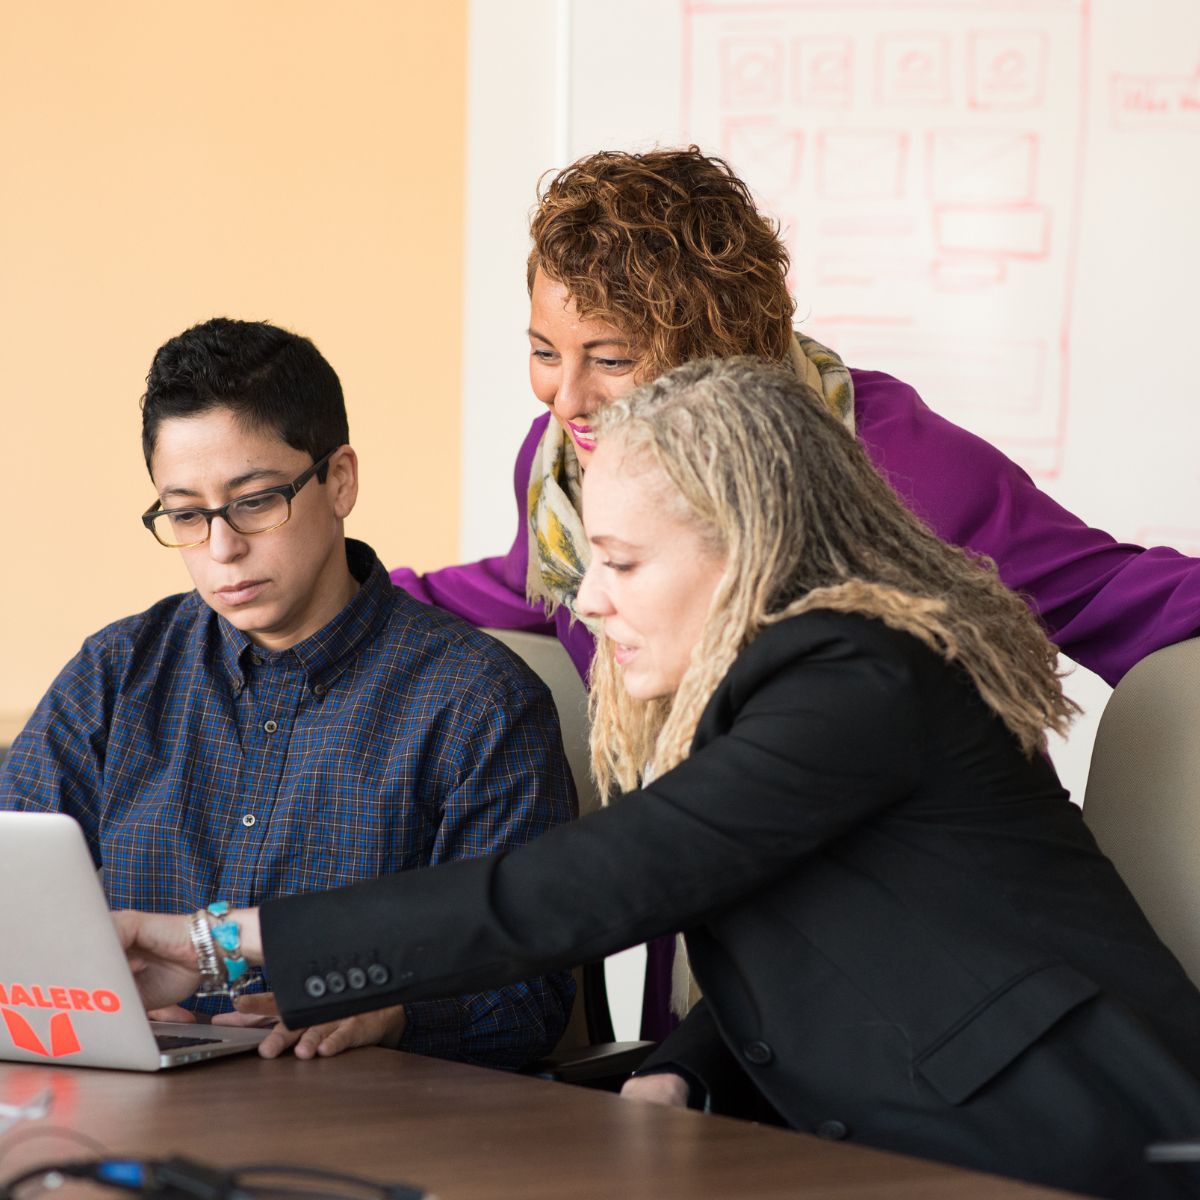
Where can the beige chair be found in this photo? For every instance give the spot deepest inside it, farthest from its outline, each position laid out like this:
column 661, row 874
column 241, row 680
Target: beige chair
column 1143, row 793
column 588, row 1053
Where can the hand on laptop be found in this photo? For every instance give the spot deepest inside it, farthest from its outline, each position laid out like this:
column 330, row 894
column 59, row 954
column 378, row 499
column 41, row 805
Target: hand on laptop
column 175, row 1013
column 161, row 955
column 163, row 961
column 383, row 1027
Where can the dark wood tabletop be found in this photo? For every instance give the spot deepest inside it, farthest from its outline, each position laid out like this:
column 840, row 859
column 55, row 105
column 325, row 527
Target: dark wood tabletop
column 462, row 1133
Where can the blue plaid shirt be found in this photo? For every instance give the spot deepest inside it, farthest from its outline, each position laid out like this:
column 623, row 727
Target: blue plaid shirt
column 202, row 767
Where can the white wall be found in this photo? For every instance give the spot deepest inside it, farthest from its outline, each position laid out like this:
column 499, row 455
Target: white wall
column 511, row 108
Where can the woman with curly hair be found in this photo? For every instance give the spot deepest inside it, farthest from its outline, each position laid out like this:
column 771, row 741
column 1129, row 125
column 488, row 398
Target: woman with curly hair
column 641, row 262
column 830, row 729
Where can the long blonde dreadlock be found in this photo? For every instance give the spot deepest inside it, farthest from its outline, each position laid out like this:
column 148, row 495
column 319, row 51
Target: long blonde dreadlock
column 806, row 522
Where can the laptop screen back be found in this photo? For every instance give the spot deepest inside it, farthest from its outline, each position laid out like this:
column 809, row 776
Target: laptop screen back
column 66, row 993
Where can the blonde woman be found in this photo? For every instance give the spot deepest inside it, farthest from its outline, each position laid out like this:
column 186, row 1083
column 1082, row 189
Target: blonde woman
column 830, row 728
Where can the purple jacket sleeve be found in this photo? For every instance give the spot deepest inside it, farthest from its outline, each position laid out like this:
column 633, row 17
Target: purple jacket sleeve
column 1106, row 604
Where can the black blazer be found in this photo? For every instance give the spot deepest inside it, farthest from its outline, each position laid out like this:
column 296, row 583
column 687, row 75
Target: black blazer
column 903, row 929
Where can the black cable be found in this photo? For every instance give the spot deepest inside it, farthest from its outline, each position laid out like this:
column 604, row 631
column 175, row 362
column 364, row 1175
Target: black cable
column 72, row 1170
column 310, row 1173
column 18, row 1136
column 265, row 1193
column 184, row 1179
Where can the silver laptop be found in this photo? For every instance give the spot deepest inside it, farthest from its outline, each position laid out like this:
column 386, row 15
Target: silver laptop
column 67, row 995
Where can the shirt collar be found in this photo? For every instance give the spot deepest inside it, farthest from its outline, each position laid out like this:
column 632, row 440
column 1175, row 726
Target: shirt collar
column 325, row 654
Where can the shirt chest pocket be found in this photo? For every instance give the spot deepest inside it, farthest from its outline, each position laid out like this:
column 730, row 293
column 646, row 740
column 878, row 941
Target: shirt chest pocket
column 1000, row 1028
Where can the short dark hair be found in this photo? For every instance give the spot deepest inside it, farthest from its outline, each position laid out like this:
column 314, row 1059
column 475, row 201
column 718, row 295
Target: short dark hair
column 270, row 378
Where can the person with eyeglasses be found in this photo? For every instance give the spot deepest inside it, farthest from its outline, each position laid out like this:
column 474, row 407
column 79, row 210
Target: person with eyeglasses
column 296, row 722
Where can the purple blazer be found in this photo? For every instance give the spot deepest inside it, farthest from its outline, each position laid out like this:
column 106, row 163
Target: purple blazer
column 1105, row 603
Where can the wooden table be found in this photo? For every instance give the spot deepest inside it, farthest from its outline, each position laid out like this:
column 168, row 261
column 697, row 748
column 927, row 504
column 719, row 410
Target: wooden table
column 461, row 1132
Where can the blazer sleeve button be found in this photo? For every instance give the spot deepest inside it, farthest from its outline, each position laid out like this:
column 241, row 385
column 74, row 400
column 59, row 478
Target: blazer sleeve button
column 314, row 985
column 758, row 1053
column 378, row 974
column 356, row 977
column 832, row 1131
column 335, row 981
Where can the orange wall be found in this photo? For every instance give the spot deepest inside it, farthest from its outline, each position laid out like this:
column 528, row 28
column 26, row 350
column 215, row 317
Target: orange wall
column 163, row 163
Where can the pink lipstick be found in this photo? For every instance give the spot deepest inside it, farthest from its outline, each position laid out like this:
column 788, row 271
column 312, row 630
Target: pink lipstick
column 583, row 435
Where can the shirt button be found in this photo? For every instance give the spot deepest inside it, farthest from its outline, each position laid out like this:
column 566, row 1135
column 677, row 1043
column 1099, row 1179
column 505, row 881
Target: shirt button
column 832, row 1131
column 335, row 981
column 319, row 689
column 248, row 820
column 271, row 726
column 378, row 974
column 314, row 985
column 356, row 977
column 758, row 1053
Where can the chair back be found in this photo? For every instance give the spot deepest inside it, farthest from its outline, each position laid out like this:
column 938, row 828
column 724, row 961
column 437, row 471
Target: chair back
column 587, row 1054
column 590, row 1022
column 1143, row 793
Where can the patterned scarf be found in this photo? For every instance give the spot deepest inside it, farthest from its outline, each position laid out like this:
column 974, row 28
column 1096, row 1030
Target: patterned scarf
column 558, row 547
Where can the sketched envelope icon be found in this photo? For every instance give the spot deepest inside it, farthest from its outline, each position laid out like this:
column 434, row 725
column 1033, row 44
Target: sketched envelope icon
column 984, row 166
column 861, row 164
column 762, row 151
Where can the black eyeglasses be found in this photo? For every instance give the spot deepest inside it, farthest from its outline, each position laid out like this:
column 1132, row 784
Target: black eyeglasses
column 260, row 512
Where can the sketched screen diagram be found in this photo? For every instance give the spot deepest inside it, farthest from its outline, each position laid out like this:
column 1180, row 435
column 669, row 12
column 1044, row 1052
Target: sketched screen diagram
column 924, row 160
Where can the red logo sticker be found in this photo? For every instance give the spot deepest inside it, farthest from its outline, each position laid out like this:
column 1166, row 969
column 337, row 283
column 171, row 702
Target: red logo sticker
column 62, row 1035
column 63, row 1040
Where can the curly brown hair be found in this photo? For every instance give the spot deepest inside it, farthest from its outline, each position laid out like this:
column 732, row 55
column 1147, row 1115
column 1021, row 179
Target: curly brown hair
column 668, row 247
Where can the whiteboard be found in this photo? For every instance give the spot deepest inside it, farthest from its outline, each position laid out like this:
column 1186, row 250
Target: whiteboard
column 926, row 170
column 996, row 202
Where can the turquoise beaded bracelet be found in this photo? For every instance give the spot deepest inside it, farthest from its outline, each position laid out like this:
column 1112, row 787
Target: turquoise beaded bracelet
column 208, row 927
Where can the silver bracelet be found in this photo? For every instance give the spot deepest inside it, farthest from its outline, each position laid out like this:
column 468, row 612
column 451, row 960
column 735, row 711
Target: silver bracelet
column 212, row 976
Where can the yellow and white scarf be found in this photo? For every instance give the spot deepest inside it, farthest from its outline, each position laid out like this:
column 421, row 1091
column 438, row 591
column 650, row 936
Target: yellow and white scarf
column 558, row 547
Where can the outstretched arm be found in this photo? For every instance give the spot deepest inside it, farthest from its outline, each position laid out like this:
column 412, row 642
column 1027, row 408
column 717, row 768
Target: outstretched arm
column 823, row 746
column 819, row 749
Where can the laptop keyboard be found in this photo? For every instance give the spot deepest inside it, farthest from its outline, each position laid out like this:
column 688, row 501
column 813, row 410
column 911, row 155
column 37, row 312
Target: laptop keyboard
column 168, row 1042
